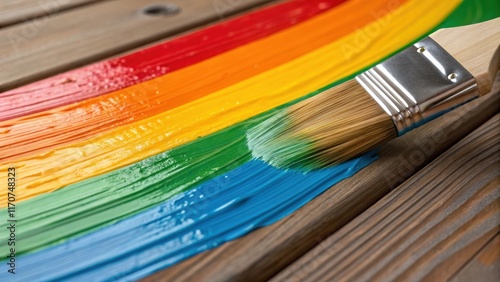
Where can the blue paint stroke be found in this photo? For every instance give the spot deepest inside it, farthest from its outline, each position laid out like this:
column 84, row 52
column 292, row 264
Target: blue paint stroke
column 222, row 209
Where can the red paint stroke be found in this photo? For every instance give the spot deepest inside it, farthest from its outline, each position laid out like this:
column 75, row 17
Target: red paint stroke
column 118, row 73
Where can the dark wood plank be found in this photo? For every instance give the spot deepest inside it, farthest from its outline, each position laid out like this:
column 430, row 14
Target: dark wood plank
column 34, row 50
column 264, row 252
column 14, row 11
column 425, row 230
column 484, row 267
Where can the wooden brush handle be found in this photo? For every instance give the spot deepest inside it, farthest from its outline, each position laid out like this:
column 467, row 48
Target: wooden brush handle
column 476, row 48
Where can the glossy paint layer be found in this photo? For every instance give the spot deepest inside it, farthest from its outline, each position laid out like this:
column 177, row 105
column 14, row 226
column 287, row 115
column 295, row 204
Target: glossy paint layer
column 41, row 132
column 88, row 205
column 111, row 75
column 226, row 207
column 138, row 186
column 199, row 219
column 134, row 142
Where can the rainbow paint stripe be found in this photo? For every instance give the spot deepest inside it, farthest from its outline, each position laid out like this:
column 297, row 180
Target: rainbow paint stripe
column 107, row 76
column 170, row 91
column 171, row 193
column 126, row 144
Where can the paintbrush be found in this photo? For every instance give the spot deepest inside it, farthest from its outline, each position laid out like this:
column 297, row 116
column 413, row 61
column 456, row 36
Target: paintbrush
column 442, row 71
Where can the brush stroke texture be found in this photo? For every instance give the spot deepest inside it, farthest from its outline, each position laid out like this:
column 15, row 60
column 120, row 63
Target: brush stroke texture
column 185, row 210
column 99, row 201
column 131, row 143
column 114, row 74
column 31, row 135
column 226, row 207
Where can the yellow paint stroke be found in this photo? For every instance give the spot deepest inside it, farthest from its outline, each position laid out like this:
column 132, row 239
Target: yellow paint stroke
column 134, row 142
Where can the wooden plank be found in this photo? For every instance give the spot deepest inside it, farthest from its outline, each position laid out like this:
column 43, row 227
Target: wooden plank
column 264, row 252
column 485, row 266
column 34, row 50
column 14, row 11
column 426, row 230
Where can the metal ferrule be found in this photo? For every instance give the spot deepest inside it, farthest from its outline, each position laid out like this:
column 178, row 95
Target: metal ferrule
column 419, row 84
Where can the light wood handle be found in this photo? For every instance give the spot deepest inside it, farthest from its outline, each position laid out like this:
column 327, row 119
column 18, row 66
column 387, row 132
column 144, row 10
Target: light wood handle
column 475, row 47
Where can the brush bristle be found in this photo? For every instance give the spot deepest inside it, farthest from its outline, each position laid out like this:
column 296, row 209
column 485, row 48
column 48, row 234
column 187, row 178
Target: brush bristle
column 329, row 128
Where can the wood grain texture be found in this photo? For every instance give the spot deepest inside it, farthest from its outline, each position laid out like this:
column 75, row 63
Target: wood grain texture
column 484, row 266
column 264, row 252
column 37, row 49
column 426, row 230
column 14, row 11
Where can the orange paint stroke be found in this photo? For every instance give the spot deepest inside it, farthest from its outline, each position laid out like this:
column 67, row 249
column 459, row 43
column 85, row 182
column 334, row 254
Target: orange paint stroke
column 145, row 138
column 34, row 134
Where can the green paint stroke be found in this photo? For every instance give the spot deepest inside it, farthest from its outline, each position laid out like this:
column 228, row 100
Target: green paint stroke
column 99, row 201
